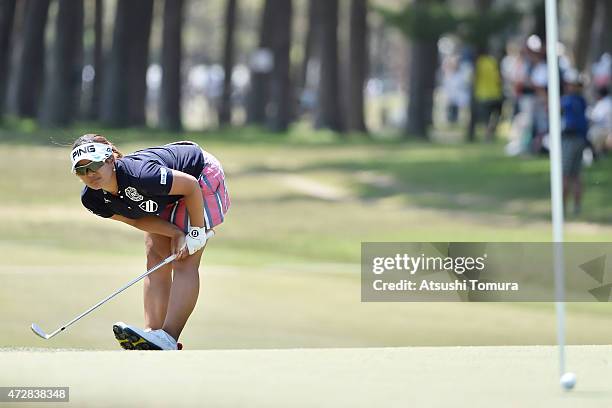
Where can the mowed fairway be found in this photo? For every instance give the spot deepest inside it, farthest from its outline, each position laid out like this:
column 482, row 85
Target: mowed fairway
column 357, row 377
column 283, row 274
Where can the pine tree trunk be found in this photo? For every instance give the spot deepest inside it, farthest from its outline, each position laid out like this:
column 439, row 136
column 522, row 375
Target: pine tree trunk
column 98, row 63
column 328, row 111
column 310, row 47
column 62, row 92
column 539, row 15
column 30, row 71
column 602, row 41
column 280, row 81
column 430, row 79
column 481, row 5
column 606, row 35
column 423, row 64
column 114, row 109
column 140, row 31
column 258, row 95
column 583, row 32
column 170, row 99
column 225, row 107
column 7, row 16
column 358, row 65
column 124, row 93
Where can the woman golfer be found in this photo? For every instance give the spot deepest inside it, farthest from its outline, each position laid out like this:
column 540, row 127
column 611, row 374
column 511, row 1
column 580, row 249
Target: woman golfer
column 174, row 193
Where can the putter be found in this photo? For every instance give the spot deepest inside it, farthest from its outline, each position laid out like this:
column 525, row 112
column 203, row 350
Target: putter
column 41, row 333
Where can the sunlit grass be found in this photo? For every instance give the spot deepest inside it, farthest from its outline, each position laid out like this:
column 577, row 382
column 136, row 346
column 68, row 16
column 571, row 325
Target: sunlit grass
column 284, row 268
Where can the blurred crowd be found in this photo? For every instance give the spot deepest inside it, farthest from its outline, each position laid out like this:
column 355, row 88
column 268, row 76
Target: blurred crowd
column 516, row 87
column 476, row 83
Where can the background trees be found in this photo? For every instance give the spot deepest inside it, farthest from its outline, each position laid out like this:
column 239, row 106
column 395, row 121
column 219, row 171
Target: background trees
column 125, row 81
column 328, row 113
column 225, row 108
column 115, row 101
column 171, row 56
column 261, row 64
column 97, row 64
column 61, row 96
column 141, row 16
column 358, row 64
column 422, row 22
column 29, row 75
column 159, row 62
column 279, row 114
column 7, row 15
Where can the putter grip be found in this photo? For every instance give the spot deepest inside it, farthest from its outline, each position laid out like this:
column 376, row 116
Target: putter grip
column 209, row 234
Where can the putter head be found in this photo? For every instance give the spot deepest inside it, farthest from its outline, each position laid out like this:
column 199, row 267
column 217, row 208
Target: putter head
column 38, row 331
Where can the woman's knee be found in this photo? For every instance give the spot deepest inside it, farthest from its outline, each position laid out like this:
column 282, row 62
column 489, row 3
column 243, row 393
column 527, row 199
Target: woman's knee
column 157, row 247
column 190, row 264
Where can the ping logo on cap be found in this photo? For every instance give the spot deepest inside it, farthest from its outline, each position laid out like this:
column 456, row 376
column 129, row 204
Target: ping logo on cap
column 82, row 150
column 91, row 151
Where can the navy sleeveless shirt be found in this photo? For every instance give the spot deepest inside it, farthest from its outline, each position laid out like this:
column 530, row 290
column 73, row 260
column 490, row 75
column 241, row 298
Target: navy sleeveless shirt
column 144, row 179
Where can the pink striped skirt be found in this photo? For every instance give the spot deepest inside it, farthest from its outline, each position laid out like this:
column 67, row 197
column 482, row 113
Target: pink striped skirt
column 214, row 193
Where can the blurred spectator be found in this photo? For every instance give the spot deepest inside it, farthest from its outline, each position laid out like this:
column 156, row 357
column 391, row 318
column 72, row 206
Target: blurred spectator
column 488, row 95
column 512, row 71
column 602, row 71
column 539, row 80
column 455, row 83
column 600, row 132
column 574, row 128
column 522, row 126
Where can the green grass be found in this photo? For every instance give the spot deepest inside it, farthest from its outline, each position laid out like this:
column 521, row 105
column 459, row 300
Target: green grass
column 283, row 270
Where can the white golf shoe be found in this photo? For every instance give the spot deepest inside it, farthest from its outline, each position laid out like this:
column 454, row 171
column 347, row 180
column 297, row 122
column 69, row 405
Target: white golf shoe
column 133, row 338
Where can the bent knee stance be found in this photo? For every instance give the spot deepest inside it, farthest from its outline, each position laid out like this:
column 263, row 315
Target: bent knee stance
column 157, row 248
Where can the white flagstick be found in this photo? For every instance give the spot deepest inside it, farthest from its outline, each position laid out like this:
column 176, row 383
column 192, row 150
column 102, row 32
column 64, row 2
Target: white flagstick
column 556, row 182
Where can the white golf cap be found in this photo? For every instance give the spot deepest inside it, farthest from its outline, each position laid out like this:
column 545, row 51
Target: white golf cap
column 534, row 43
column 90, row 151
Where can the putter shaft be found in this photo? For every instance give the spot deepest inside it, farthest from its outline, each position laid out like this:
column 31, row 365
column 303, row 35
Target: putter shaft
column 41, row 333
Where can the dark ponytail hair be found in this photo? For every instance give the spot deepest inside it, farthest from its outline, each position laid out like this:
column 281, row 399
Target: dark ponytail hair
column 95, row 138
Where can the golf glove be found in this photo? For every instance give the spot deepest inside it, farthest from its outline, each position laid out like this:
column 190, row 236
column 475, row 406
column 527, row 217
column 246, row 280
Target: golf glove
column 196, row 239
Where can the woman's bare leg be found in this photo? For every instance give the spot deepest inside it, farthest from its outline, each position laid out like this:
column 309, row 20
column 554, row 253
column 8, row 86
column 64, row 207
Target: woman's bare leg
column 157, row 285
column 183, row 294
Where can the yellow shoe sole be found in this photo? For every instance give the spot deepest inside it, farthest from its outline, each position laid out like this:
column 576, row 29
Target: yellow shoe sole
column 130, row 340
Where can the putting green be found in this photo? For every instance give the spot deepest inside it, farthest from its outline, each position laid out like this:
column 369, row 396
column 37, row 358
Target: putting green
column 283, row 273
column 521, row 376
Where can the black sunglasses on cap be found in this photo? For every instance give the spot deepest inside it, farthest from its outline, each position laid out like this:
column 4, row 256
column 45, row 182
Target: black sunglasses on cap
column 91, row 166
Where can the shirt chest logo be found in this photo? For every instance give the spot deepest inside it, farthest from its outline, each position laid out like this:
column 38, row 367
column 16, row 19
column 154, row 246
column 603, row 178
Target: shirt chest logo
column 133, row 194
column 148, row 206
